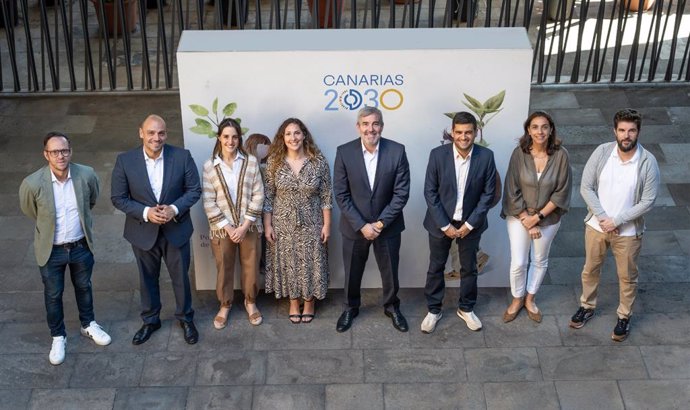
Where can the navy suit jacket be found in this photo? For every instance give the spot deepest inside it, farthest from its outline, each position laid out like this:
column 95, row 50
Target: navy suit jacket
column 441, row 189
column 131, row 192
column 361, row 204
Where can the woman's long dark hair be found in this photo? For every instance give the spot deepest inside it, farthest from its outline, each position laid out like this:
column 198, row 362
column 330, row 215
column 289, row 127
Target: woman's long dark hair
column 552, row 144
column 228, row 122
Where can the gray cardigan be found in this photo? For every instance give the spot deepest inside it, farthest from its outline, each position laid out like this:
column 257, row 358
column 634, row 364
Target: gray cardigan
column 523, row 191
column 645, row 191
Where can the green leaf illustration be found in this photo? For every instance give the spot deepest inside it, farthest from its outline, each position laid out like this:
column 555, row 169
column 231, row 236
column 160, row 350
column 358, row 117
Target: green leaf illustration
column 202, row 127
column 199, row 110
column 473, row 101
column 229, row 109
column 206, row 125
column 197, row 129
column 477, row 110
column 484, row 112
column 491, row 117
column 244, row 130
column 494, row 103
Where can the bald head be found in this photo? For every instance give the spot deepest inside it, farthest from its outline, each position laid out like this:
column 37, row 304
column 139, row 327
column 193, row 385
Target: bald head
column 152, row 117
column 153, row 135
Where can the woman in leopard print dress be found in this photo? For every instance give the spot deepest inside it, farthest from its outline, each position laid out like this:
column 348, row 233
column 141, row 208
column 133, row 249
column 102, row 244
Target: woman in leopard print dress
column 297, row 219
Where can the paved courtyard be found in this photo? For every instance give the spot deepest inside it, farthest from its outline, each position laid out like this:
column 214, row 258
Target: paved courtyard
column 521, row 365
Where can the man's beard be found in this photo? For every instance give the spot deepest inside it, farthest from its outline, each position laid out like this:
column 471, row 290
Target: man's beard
column 629, row 148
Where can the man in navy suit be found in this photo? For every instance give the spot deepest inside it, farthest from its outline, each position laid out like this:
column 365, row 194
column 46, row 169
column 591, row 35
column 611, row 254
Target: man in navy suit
column 459, row 189
column 155, row 185
column 371, row 185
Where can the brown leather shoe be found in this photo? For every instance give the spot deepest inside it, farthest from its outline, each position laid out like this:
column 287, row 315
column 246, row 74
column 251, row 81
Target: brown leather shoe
column 536, row 316
column 508, row 316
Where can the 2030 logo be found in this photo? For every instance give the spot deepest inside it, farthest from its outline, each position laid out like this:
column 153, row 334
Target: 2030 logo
column 353, row 99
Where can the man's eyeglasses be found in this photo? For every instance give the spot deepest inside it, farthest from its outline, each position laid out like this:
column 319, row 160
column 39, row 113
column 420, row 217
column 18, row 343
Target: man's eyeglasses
column 56, row 153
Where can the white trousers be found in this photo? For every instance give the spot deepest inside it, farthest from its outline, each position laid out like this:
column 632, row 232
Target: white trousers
column 525, row 253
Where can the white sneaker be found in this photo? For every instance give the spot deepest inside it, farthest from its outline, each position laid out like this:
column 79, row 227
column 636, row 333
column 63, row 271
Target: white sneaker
column 57, row 351
column 430, row 321
column 96, row 332
column 473, row 322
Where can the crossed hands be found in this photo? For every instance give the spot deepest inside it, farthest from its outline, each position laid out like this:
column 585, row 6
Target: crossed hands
column 160, row 214
column 453, row 232
column 529, row 221
column 370, row 232
column 607, row 225
column 236, row 234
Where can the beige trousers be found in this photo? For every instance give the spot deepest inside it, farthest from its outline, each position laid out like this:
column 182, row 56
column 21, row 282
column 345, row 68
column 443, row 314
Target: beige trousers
column 224, row 251
column 625, row 251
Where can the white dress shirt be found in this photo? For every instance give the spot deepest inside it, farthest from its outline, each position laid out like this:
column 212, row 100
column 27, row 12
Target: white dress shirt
column 154, row 169
column 371, row 160
column 462, row 168
column 67, row 223
column 616, row 190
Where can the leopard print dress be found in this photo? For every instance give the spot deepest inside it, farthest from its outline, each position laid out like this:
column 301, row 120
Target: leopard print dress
column 297, row 263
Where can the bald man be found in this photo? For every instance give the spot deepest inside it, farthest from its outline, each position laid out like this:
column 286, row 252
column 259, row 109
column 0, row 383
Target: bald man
column 155, row 185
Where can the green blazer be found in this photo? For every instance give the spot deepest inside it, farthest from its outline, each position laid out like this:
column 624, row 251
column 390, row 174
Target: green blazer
column 38, row 203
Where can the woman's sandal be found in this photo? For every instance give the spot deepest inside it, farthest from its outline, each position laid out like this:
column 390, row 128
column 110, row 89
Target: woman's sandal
column 308, row 316
column 255, row 318
column 219, row 322
column 295, row 318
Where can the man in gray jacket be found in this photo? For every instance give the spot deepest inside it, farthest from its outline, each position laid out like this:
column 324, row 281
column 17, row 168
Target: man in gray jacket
column 619, row 184
column 59, row 198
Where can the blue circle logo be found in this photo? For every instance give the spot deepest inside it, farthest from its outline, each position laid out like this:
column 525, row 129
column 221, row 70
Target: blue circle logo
column 351, row 99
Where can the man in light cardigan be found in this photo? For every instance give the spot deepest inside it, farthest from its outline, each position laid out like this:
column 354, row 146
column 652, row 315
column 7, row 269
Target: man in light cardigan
column 619, row 184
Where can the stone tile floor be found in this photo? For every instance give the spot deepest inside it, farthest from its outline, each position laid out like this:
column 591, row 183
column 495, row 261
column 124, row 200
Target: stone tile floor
column 282, row 366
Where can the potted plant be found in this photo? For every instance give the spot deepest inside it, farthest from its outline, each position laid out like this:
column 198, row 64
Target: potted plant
column 634, row 5
column 556, row 11
column 111, row 10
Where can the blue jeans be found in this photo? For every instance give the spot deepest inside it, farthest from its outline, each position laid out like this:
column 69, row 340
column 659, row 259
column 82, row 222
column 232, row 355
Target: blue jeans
column 80, row 261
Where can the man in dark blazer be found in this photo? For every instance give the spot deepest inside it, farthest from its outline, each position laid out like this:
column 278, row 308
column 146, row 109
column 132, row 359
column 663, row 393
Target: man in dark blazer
column 371, row 185
column 155, row 185
column 459, row 189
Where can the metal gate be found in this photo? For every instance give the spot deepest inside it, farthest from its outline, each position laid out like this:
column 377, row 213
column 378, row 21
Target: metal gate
column 128, row 45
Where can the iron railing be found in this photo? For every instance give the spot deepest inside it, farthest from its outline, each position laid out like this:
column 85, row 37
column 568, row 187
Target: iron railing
column 122, row 45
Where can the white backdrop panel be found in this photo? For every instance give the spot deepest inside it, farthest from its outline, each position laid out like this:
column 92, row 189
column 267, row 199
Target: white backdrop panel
column 421, row 74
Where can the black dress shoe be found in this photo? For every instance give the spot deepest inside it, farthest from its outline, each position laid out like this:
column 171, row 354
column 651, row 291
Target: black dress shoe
column 191, row 335
column 143, row 334
column 398, row 319
column 345, row 319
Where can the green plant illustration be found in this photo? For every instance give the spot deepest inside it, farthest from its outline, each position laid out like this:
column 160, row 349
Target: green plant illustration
column 207, row 125
column 484, row 111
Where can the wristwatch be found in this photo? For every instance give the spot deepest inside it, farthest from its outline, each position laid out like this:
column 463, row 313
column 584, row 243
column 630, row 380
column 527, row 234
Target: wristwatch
column 379, row 225
column 540, row 215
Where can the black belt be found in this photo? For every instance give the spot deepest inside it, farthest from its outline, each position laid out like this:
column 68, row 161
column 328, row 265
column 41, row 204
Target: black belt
column 72, row 245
